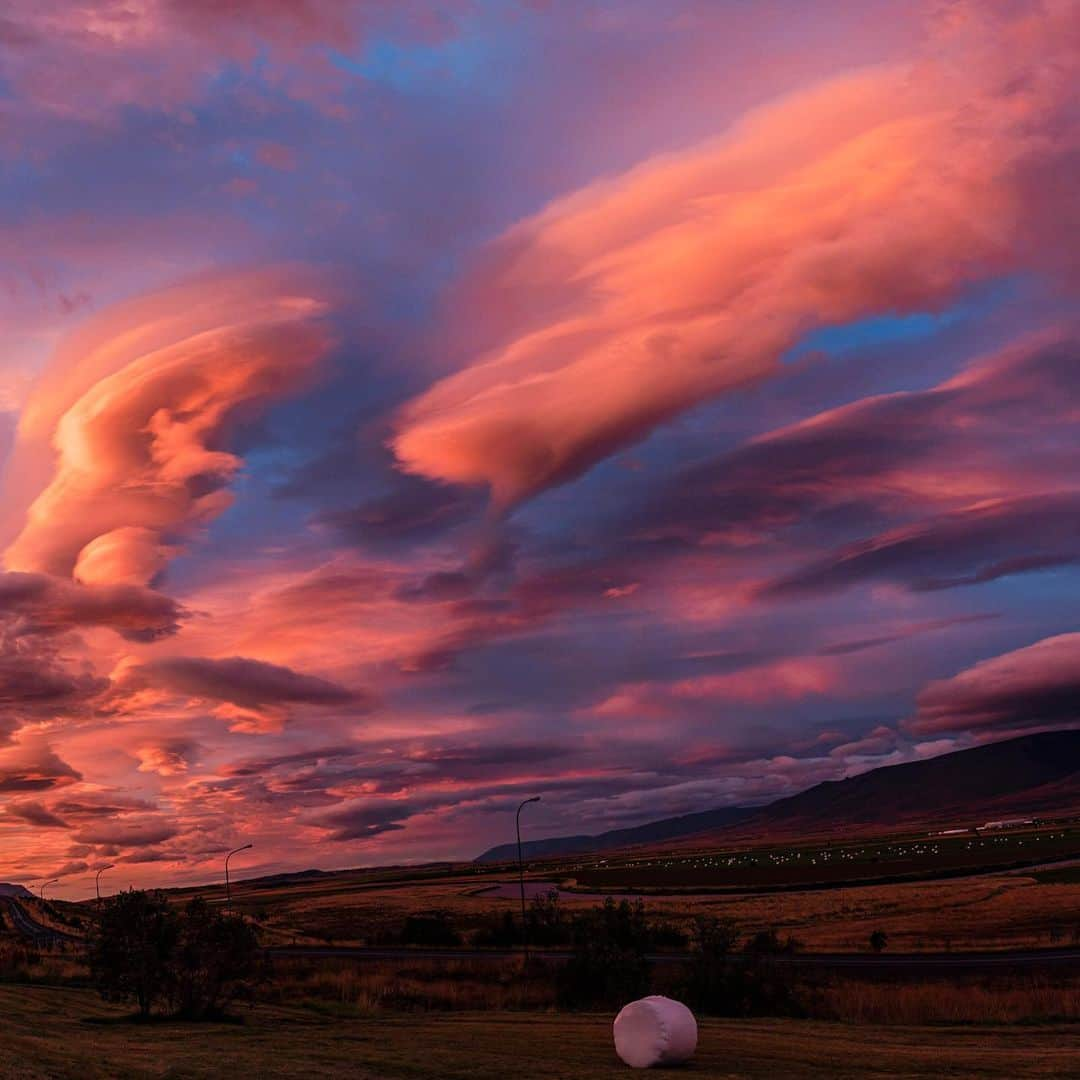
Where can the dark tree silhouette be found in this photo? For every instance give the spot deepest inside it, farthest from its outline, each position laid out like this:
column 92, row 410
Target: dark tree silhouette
column 193, row 961
column 132, row 950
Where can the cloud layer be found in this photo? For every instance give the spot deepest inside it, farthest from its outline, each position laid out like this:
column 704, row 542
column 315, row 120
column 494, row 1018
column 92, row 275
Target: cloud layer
column 391, row 432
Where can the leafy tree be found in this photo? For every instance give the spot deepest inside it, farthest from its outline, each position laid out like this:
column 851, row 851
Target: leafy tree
column 193, row 961
column 217, row 958
column 726, row 981
column 608, row 964
column 132, row 950
column 546, row 924
column 878, row 940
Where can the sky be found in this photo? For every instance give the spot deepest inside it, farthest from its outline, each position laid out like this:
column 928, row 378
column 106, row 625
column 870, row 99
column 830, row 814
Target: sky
column 411, row 406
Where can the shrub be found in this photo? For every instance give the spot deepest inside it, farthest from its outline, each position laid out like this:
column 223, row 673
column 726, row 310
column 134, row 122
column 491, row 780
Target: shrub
column 193, row 961
column 217, row 958
column 431, row 928
column 608, row 965
column 132, row 951
column 723, row 981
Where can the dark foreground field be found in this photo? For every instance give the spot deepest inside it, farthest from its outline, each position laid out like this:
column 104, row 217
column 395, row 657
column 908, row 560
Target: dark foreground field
column 68, row 1033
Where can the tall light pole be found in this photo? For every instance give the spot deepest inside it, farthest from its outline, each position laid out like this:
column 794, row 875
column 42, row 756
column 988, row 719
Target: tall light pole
column 228, row 888
column 521, row 873
column 97, row 880
column 44, row 884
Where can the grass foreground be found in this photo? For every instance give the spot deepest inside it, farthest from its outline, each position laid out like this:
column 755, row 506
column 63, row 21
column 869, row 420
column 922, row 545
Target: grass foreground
column 59, row 1033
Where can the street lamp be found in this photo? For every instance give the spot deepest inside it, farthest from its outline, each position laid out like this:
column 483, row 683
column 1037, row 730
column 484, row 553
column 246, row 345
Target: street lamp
column 97, row 879
column 521, row 873
column 228, row 888
column 44, row 884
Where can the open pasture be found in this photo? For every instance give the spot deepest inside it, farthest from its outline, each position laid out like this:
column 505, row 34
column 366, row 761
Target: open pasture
column 52, row 1034
column 944, row 899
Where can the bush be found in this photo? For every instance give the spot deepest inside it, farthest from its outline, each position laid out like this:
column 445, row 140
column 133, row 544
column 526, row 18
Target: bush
column 193, row 961
column 132, row 951
column 608, row 965
column 431, row 928
column 878, row 940
column 726, row 982
column 217, row 959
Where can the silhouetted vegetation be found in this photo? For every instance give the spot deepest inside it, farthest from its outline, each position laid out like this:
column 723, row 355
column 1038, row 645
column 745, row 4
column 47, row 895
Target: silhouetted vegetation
column 726, row 981
column 191, row 961
column 608, row 965
column 878, row 940
column 430, row 928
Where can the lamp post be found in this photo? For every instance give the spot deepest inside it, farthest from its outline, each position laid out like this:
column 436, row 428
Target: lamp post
column 521, row 873
column 44, row 885
column 97, row 880
column 228, row 888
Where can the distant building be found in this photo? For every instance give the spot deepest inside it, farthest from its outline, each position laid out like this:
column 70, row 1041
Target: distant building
column 1008, row 823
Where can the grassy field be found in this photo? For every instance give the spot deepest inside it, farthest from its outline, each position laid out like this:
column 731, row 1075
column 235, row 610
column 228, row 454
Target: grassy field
column 869, row 860
column 977, row 910
column 56, row 1034
column 1014, row 910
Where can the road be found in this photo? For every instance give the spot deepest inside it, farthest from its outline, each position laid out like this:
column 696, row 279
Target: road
column 1027, row 958
column 43, row 937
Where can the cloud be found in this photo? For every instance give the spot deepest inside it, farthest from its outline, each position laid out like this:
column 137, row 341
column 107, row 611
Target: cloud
column 48, row 605
column 1005, row 424
column 242, row 681
column 171, row 758
column 33, row 813
column 90, row 59
column 968, row 547
column 138, row 410
column 129, row 833
column 1034, row 687
column 33, row 766
column 634, row 299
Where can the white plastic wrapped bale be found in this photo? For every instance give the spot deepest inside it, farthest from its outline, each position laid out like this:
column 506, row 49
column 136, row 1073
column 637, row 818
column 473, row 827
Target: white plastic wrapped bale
column 655, row 1031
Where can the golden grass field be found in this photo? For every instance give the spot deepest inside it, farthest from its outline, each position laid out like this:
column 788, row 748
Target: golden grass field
column 992, row 911
column 67, row 1033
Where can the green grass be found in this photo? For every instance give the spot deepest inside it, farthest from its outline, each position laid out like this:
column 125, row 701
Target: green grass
column 57, row 1034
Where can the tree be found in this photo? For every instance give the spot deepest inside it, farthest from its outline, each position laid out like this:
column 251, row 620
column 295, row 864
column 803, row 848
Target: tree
column 193, row 961
column 131, row 952
column 878, row 940
column 726, row 981
column 608, row 964
column 217, row 958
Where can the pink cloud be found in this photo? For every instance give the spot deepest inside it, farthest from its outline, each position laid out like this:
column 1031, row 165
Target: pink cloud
column 622, row 305
column 90, row 59
column 136, row 412
column 1030, row 688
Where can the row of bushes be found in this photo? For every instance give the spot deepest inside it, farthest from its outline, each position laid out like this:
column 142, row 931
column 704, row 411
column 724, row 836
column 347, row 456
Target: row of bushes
column 609, row 965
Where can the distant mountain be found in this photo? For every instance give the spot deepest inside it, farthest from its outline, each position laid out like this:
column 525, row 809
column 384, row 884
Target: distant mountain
column 1030, row 775
column 7, row 889
column 653, row 833
column 1033, row 774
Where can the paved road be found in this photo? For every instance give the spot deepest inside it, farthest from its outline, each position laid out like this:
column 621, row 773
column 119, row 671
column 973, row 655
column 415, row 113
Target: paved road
column 43, row 937
column 1028, row 958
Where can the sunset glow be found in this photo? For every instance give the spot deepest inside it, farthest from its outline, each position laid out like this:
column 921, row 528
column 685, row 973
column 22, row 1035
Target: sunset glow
column 410, row 407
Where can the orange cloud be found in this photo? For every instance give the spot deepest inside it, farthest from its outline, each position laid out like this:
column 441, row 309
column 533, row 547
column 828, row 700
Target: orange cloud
column 134, row 418
column 622, row 305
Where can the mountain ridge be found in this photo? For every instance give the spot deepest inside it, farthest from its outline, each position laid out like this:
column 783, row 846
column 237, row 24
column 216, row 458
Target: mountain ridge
column 1029, row 774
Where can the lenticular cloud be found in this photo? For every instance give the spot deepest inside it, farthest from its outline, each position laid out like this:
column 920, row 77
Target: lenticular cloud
column 638, row 297
column 135, row 422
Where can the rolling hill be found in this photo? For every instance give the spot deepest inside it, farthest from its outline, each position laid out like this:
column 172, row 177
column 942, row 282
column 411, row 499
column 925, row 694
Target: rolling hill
column 653, row 832
column 1026, row 776
column 8, row 889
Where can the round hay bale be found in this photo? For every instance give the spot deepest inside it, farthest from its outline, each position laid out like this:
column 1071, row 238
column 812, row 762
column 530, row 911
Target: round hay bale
column 655, row 1031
